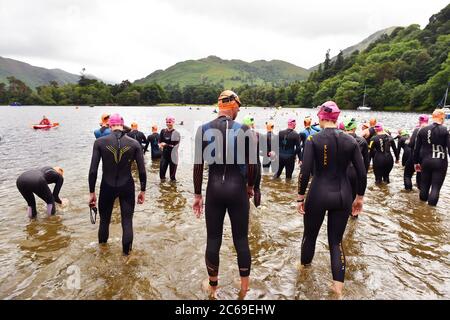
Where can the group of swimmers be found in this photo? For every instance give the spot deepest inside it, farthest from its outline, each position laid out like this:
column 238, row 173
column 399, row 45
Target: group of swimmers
column 331, row 153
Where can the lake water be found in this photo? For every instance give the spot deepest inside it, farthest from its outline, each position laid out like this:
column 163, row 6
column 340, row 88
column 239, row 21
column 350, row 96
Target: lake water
column 397, row 249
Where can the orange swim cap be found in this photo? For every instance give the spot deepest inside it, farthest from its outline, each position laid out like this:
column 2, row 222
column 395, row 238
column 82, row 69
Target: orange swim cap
column 154, row 128
column 269, row 126
column 438, row 115
column 228, row 99
column 372, row 122
column 307, row 121
column 134, row 125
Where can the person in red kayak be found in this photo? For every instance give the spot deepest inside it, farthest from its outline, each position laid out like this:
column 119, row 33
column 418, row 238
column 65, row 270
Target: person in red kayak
column 45, row 121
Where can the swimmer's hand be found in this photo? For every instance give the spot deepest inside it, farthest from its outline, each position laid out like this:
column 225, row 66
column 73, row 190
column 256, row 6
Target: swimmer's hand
column 141, row 197
column 418, row 167
column 301, row 204
column 198, row 205
column 92, row 199
column 250, row 192
column 357, row 206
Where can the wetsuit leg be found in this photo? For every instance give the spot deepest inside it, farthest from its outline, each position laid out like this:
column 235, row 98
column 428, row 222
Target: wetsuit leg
column 172, row 170
column 257, row 187
column 44, row 192
column 127, row 204
column 387, row 168
column 281, row 165
column 238, row 210
column 418, row 179
column 337, row 222
column 214, row 215
column 312, row 221
column 408, row 173
column 105, row 206
column 438, row 174
column 290, row 165
column 28, row 195
column 163, row 165
column 425, row 181
column 378, row 168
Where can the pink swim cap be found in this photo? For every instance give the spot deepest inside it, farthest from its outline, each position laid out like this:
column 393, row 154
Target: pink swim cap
column 379, row 127
column 423, row 118
column 341, row 126
column 170, row 119
column 116, row 120
column 329, row 111
column 291, row 123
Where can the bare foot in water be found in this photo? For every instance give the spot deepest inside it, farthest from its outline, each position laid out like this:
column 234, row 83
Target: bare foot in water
column 209, row 290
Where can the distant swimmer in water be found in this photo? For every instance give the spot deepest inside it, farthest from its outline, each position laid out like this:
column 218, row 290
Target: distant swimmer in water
column 430, row 157
column 169, row 140
column 117, row 152
column 289, row 148
column 423, row 122
column 380, row 148
column 153, row 141
column 231, row 177
column 104, row 129
column 36, row 182
column 328, row 154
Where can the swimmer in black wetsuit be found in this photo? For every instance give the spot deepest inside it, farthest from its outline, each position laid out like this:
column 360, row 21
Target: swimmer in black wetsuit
column 407, row 162
column 430, row 157
column 137, row 135
column 36, row 182
column 169, row 140
column 380, row 148
column 289, row 148
column 229, row 149
column 117, row 151
column 268, row 155
column 350, row 128
column 329, row 152
column 250, row 122
column 153, row 141
column 409, row 167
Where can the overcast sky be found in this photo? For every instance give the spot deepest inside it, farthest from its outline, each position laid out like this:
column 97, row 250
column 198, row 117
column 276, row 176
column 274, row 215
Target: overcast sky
column 117, row 40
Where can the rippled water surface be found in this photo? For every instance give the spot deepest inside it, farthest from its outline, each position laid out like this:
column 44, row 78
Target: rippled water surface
column 398, row 249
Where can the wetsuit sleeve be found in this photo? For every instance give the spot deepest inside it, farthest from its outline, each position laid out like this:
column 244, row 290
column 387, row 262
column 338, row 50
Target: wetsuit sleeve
column 175, row 139
column 365, row 154
column 269, row 143
column 251, row 145
column 417, row 147
column 147, row 142
column 57, row 189
column 95, row 160
column 307, row 167
column 302, row 137
column 198, row 161
column 141, row 167
column 298, row 151
column 372, row 147
column 360, row 169
column 394, row 148
column 160, row 135
column 400, row 146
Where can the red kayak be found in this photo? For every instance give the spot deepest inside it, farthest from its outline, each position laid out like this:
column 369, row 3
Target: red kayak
column 45, row 126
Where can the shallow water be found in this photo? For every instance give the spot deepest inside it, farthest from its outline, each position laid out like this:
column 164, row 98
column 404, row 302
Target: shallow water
column 398, row 249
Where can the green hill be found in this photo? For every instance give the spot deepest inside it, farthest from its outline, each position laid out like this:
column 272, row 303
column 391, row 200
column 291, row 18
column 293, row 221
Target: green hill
column 33, row 76
column 361, row 46
column 229, row 73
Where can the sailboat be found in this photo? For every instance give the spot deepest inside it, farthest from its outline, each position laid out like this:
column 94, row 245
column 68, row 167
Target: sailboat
column 364, row 107
column 446, row 108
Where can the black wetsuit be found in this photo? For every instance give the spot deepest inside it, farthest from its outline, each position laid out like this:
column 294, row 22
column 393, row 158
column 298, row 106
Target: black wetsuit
column 372, row 133
column 257, row 187
column 289, row 147
column 266, row 159
column 407, row 161
column 36, row 182
column 380, row 148
column 153, row 141
column 117, row 152
column 169, row 157
column 351, row 171
column 409, row 166
column 228, row 178
column 431, row 148
column 138, row 136
column 329, row 152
